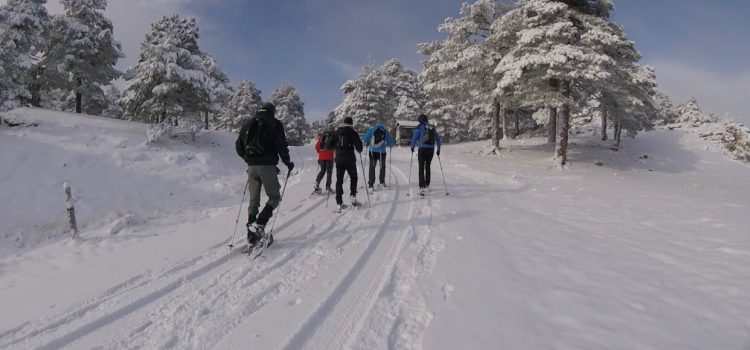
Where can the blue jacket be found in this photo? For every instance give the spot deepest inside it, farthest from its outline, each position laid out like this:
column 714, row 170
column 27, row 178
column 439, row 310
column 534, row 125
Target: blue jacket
column 416, row 139
column 370, row 134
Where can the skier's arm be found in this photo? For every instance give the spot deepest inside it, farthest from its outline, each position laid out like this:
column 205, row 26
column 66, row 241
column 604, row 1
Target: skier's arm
column 389, row 141
column 415, row 136
column 239, row 145
column 357, row 142
column 368, row 136
column 282, row 147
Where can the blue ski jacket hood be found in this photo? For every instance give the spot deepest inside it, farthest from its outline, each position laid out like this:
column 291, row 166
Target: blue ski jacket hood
column 416, row 139
column 370, row 134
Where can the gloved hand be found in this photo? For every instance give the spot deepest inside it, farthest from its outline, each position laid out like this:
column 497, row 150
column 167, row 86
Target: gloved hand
column 412, row 150
column 290, row 166
column 438, row 153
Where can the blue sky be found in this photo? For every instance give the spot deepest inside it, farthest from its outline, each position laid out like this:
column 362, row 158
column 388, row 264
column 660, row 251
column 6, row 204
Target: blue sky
column 699, row 47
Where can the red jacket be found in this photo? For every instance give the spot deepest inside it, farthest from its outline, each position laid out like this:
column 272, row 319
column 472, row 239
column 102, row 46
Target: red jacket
column 326, row 154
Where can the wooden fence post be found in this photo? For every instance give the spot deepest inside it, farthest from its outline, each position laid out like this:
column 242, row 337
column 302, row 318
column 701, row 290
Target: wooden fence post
column 71, row 211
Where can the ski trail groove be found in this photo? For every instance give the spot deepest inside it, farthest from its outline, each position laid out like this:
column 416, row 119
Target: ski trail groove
column 335, row 323
column 110, row 296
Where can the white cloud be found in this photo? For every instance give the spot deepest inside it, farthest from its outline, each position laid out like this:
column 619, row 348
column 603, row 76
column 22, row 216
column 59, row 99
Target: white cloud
column 717, row 93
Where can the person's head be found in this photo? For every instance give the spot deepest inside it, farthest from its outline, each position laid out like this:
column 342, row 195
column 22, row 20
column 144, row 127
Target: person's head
column 348, row 121
column 422, row 118
column 331, row 128
column 267, row 110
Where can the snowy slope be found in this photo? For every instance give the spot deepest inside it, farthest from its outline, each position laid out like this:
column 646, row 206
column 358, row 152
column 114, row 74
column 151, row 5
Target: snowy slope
column 648, row 251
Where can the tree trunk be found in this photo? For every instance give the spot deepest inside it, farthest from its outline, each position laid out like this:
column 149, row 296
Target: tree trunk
column 603, row 111
column 496, row 135
column 205, row 119
column 618, row 132
column 517, row 131
column 552, row 126
column 35, row 88
column 79, row 97
column 561, row 148
column 506, row 124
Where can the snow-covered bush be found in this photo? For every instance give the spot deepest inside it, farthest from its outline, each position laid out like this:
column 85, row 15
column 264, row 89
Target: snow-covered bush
column 690, row 114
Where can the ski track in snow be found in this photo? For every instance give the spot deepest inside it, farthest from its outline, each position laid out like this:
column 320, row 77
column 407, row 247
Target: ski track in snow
column 200, row 300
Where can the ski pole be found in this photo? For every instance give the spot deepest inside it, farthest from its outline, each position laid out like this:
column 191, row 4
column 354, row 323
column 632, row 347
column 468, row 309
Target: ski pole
column 236, row 222
column 441, row 172
column 362, row 162
column 288, row 173
column 411, row 161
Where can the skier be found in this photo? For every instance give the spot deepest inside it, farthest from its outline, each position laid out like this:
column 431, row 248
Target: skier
column 425, row 137
column 261, row 142
column 378, row 139
column 324, row 147
column 347, row 141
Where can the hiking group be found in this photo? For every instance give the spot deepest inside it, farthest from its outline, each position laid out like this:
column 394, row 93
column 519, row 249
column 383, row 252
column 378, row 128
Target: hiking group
column 262, row 143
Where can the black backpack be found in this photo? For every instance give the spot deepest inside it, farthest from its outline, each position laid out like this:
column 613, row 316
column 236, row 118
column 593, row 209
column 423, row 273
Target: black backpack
column 378, row 138
column 344, row 141
column 254, row 139
column 430, row 134
column 328, row 141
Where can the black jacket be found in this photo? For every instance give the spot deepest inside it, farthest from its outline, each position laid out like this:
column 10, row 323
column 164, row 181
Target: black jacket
column 345, row 135
column 274, row 143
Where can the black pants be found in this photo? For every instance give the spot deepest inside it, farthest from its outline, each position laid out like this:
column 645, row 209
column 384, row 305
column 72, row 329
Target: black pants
column 424, row 159
column 351, row 169
column 374, row 158
column 326, row 167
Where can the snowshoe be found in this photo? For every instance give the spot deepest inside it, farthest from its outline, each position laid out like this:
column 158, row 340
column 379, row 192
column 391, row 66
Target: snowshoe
column 340, row 208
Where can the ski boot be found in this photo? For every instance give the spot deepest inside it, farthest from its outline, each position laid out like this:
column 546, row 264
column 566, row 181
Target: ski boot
column 317, row 190
column 263, row 238
column 355, row 202
column 340, row 208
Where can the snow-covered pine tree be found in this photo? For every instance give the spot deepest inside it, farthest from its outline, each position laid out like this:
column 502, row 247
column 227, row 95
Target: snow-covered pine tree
column 22, row 27
column 365, row 100
column 666, row 113
column 456, row 77
column 290, row 111
column 689, row 113
column 560, row 50
column 243, row 104
column 169, row 77
column 111, row 95
column 216, row 91
column 404, row 97
column 82, row 53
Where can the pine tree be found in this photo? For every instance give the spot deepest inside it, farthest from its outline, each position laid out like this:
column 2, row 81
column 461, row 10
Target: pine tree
column 666, row 113
column 22, row 25
column 365, row 100
column 404, row 97
column 81, row 53
column 458, row 73
column 290, row 112
column 557, row 53
column 216, row 91
column 169, row 78
column 689, row 113
column 243, row 104
column 111, row 95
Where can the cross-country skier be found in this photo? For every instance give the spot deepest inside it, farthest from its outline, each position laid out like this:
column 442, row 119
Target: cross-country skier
column 379, row 139
column 325, row 146
column 261, row 142
column 425, row 138
column 347, row 141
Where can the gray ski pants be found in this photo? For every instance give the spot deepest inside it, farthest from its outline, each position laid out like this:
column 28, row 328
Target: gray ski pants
column 265, row 176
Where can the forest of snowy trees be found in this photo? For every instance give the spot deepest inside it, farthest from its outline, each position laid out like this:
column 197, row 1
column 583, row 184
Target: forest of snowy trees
column 503, row 69
column 67, row 62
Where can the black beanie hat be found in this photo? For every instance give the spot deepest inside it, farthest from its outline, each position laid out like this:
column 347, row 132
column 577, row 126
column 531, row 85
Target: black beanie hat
column 348, row 120
column 267, row 109
column 422, row 118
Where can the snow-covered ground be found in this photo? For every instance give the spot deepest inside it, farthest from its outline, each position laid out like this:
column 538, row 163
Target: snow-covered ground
column 649, row 251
